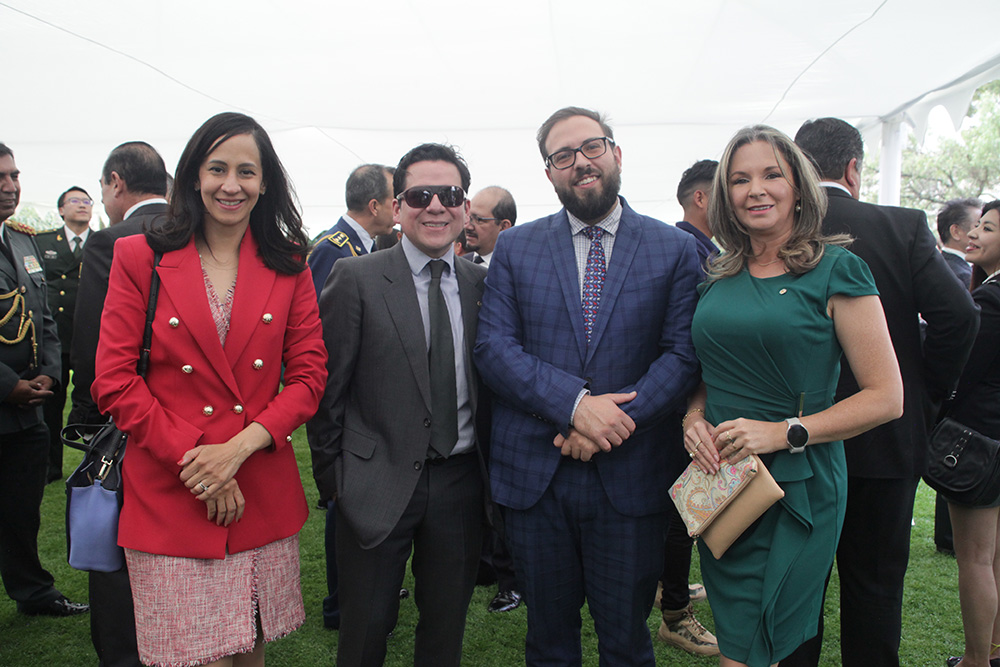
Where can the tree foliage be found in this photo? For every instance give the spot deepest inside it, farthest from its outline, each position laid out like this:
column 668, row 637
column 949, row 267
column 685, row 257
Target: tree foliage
column 953, row 168
column 29, row 216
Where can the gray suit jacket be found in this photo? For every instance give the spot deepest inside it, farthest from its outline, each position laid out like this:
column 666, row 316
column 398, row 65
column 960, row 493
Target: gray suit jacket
column 370, row 437
column 22, row 289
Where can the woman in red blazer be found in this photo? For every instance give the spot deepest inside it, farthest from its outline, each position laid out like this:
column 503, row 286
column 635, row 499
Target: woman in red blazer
column 213, row 498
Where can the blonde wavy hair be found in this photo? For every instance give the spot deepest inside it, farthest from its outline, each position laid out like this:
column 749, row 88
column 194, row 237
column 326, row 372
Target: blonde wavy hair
column 804, row 248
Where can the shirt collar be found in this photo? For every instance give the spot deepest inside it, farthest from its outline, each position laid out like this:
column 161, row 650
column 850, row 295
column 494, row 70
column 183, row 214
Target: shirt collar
column 834, row 184
column 608, row 224
column 418, row 260
column 70, row 235
column 144, row 202
column 957, row 253
column 362, row 233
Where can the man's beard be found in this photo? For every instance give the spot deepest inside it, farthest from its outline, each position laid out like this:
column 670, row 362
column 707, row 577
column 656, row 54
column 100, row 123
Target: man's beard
column 592, row 205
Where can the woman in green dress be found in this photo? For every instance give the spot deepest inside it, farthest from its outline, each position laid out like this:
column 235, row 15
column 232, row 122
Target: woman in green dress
column 782, row 304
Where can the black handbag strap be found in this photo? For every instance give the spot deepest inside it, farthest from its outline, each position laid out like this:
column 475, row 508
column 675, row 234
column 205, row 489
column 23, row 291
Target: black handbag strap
column 147, row 336
column 85, row 432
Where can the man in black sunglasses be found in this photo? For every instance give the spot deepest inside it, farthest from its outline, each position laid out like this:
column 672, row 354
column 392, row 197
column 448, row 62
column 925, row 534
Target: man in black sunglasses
column 394, row 439
column 584, row 337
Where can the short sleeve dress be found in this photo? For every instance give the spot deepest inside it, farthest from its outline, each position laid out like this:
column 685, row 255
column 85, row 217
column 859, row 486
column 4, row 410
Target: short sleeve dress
column 767, row 346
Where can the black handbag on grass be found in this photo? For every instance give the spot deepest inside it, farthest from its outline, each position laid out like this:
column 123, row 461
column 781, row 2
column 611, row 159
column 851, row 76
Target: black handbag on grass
column 93, row 491
column 963, row 464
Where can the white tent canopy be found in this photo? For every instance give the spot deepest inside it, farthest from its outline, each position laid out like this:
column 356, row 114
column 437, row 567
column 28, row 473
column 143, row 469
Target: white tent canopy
column 338, row 83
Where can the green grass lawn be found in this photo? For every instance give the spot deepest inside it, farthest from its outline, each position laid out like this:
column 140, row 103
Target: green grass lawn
column 932, row 627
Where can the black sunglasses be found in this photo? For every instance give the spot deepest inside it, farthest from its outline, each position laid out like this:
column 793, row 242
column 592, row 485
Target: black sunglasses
column 420, row 196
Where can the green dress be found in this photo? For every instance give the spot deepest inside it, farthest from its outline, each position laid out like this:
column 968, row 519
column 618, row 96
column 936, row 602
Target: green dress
column 765, row 344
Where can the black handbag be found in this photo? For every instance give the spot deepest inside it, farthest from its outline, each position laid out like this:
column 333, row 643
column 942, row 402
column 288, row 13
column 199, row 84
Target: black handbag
column 963, row 464
column 93, row 491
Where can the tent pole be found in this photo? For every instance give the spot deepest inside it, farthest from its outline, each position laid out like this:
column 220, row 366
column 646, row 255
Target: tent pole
column 891, row 162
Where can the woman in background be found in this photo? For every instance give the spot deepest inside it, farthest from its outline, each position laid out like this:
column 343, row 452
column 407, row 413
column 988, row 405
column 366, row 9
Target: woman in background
column 213, row 498
column 782, row 304
column 977, row 406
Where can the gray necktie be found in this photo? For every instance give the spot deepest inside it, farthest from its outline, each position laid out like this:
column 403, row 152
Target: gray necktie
column 444, row 395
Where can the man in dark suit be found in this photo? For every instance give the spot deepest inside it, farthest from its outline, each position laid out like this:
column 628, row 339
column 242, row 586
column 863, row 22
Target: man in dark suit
column 369, row 214
column 493, row 210
column 885, row 464
column 133, row 191
column 29, row 371
column 394, row 439
column 62, row 250
column 953, row 223
column 585, row 340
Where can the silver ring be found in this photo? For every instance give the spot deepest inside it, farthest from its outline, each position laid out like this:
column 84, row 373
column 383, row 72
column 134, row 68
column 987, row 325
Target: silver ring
column 202, row 485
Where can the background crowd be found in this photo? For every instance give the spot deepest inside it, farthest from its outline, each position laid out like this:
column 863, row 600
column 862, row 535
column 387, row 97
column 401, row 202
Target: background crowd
column 512, row 404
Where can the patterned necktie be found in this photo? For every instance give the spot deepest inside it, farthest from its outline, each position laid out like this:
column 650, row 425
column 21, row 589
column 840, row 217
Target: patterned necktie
column 444, row 393
column 77, row 247
column 593, row 278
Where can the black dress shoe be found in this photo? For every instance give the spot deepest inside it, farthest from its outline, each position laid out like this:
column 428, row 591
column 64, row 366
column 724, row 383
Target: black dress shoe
column 58, row 607
column 504, row 601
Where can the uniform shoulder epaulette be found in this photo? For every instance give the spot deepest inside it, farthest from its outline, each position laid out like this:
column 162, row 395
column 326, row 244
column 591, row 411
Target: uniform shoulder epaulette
column 22, row 227
column 339, row 239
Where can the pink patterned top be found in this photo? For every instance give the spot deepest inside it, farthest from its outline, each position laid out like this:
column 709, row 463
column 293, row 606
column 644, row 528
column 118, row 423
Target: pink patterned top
column 221, row 310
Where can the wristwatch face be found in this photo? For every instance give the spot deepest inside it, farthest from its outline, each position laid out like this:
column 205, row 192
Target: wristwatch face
column 797, row 436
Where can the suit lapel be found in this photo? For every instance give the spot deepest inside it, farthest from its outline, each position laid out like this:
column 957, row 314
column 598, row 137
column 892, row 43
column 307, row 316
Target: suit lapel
column 181, row 279
column 470, row 291
column 401, row 301
column 254, row 283
column 626, row 244
column 564, row 261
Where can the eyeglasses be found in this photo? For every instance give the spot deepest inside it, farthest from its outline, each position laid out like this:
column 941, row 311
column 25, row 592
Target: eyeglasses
column 476, row 220
column 420, row 196
column 591, row 148
column 77, row 202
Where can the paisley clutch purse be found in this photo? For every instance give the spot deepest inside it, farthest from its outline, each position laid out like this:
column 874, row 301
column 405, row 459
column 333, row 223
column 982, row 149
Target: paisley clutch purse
column 719, row 508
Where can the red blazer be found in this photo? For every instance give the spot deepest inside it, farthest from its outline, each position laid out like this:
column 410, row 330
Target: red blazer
column 197, row 392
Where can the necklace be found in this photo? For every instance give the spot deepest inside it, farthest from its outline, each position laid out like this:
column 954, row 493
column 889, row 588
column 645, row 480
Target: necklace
column 773, row 261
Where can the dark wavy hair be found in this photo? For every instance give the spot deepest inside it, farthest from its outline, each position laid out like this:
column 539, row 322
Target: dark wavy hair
column 979, row 274
column 274, row 222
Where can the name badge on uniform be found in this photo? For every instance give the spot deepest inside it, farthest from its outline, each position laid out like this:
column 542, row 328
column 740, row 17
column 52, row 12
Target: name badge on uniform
column 31, row 264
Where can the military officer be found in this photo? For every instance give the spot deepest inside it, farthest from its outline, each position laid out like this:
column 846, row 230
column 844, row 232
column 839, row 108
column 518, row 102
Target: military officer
column 29, row 371
column 369, row 214
column 62, row 250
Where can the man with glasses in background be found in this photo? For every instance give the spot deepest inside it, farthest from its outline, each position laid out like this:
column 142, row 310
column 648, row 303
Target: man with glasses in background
column 493, row 210
column 585, row 339
column 62, row 250
column 394, row 439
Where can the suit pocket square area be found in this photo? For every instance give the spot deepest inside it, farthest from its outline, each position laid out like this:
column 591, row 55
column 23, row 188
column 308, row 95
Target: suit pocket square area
column 359, row 444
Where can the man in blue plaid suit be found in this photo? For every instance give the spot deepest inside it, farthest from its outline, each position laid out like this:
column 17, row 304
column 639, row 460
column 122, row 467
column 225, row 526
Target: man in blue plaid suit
column 584, row 336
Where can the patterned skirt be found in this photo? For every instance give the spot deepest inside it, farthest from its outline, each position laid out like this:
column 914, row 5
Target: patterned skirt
column 192, row 611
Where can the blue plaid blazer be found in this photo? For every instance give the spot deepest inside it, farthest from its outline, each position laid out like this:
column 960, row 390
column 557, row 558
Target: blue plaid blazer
column 531, row 350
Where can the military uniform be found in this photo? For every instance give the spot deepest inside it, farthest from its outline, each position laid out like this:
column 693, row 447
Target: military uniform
column 62, row 275
column 339, row 241
column 29, row 346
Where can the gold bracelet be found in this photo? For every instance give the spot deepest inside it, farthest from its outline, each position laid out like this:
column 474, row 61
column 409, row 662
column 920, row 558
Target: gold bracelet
column 688, row 414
